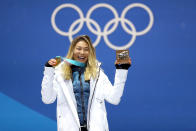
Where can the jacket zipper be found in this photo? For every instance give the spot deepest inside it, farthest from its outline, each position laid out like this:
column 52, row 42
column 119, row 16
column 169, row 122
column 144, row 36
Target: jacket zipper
column 92, row 99
column 82, row 96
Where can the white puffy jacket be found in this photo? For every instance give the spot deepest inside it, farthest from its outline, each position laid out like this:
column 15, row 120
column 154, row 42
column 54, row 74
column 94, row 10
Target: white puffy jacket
column 55, row 86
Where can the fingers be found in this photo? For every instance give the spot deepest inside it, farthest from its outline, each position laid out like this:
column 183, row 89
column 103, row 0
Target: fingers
column 126, row 62
column 130, row 61
column 52, row 62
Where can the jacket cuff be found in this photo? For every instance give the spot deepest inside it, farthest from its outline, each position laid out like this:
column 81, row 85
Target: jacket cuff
column 47, row 64
column 122, row 66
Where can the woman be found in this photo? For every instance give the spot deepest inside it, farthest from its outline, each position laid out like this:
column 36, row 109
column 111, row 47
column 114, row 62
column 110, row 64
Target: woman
column 81, row 91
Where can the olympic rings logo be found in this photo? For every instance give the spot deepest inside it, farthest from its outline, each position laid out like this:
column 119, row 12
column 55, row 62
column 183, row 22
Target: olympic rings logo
column 106, row 31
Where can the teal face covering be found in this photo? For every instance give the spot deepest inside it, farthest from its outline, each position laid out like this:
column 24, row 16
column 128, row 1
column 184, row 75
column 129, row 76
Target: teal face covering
column 73, row 62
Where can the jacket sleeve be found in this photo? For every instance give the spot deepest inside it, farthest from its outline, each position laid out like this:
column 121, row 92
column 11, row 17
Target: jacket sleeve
column 48, row 91
column 113, row 93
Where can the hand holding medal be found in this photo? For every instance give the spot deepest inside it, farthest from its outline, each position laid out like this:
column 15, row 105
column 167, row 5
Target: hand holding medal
column 122, row 59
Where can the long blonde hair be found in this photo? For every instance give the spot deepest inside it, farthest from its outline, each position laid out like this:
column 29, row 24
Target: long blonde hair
column 91, row 68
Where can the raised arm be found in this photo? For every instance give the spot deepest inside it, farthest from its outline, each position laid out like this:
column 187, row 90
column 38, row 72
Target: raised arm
column 48, row 91
column 113, row 93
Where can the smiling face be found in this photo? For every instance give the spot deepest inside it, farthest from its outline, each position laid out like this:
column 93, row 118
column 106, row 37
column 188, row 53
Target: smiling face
column 81, row 51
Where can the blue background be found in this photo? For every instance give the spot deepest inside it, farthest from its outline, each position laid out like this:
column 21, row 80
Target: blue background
column 160, row 91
